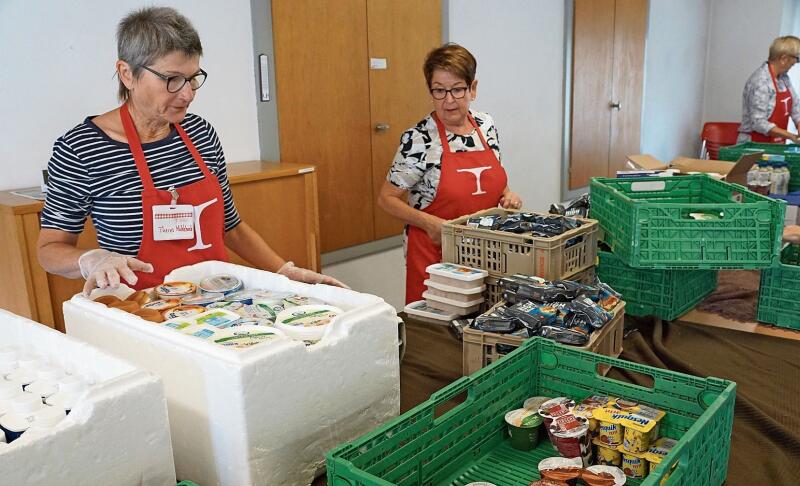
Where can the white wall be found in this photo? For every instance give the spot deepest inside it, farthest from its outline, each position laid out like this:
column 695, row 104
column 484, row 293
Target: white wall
column 675, row 62
column 57, row 66
column 519, row 45
column 382, row 274
column 740, row 33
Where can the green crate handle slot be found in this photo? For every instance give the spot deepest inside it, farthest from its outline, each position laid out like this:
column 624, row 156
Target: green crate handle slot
column 446, row 394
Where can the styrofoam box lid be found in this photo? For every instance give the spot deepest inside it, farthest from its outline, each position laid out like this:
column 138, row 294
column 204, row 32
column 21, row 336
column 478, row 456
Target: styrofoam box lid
column 448, row 288
column 444, row 300
column 421, row 308
column 457, row 272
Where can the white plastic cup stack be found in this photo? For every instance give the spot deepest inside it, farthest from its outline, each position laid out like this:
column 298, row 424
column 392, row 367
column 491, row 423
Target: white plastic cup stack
column 46, row 382
column 27, row 370
column 9, row 391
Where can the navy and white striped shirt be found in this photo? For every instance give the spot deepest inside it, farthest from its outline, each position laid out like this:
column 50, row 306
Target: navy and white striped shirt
column 91, row 174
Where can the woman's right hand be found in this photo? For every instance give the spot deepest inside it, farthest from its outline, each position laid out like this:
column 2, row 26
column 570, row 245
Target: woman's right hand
column 103, row 268
column 434, row 229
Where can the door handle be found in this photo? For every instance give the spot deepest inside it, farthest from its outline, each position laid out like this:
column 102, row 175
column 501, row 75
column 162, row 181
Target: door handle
column 615, row 105
column 381, row 127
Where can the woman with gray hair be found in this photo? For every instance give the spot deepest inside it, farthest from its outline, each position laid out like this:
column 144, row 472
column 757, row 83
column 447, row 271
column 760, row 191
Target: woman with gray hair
column 151, row 175
column 769, row 99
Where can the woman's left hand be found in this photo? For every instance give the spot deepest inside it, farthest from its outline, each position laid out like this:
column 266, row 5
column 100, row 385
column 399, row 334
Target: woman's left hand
column 511, row 200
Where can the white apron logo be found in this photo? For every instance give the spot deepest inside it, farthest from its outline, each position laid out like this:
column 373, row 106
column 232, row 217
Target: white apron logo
column 477, row 173
column 198, row 242
column 785, row 102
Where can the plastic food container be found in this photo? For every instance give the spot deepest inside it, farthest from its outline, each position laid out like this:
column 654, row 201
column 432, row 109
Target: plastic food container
column 183, row 311
column 171, row 290
column 203, row 299
column 307, row 322
column 225, row 284
column 219, row 318
column 523, row 427
column 458, row 276
column 162, row 304
column 422, row 309
column 613, row 471
column 453, row 306
column 242, row 337
column 298, row 300
column 454, row 293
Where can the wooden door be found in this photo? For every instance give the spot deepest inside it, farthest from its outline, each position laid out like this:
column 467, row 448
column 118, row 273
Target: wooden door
column 398, row 94
column 630, row 29
column 592, row 61
column 607, row 79
column 321, row 72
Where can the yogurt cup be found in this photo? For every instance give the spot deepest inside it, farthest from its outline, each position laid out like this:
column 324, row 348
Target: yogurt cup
column 562, row 469
column 203, row 299
column 21, row 417
column 523, row 427
column 162, row 305
column 43, row 421
column 242, row 337
column 70, row 389
column 223, row 283
column 555, row 408
column 9, row 391
column 599, row 470
column 307, row 322
column 219, row 318
column 224, row 304
column 243, row 296
column 183, row 311
column 47, row 382
column 570, row 437
column 658, row 451
column 172, row 290
column 298, row 300
column 533, row 403
column 634, row 464
column 605, row 455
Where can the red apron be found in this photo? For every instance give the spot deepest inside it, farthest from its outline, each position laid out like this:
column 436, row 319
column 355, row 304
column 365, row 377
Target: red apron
column 469, row 182
column 205, row 195
column 780, row 114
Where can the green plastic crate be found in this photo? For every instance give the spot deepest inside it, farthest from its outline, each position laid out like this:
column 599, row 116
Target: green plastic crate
column 735, row 152
column 187, row 483
column 647, row 222
column 662, row 293
column 779, row 292
column 468, row 443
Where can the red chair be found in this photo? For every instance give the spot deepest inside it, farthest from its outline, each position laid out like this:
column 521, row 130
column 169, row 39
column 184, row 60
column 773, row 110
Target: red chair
column 716, row 135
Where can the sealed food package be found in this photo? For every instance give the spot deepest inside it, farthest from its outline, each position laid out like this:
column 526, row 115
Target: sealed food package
column 570, row 436
column 586, row 406
column 561, row 469
column 307, row 322
column 575, row 207
column 658, row 451
column 183, row 311
column 606, row 454
column 242, row 337
column 203, row 299
column 171, row 290
column 553, row 409
column 600, row 475
column 636, row 423
column 634, row 464
column 225, row 284
column 574, row 336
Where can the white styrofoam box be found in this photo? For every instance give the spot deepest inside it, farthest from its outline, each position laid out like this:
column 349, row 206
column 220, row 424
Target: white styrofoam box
column 117, row 434
column 265, row 415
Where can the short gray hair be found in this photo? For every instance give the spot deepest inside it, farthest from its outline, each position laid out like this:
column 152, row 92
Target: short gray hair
column 150, row 33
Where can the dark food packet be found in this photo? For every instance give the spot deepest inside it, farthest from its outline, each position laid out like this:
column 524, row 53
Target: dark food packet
column 530, row 315
column 581, row 289
column 565, row 336
column 576, row 207
column 596, row 316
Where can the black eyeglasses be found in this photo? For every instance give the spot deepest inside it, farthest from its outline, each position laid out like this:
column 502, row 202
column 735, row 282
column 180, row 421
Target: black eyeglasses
column 177, row 82
column 441, row 93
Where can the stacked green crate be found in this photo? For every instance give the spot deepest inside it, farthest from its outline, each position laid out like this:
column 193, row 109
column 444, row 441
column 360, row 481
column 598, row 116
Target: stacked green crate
column 662, row 293
column 434, row 445
column 779, row 295
column 790, row 152
column 687, row 222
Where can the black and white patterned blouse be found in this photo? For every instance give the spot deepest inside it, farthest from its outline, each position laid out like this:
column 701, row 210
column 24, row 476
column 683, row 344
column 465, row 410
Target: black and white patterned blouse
column 90, row 174
column 417, row 164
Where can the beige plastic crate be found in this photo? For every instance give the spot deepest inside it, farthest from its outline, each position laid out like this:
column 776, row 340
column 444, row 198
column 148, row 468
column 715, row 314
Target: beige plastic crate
column 480, row 348
column 494, row 294
column 503, row 253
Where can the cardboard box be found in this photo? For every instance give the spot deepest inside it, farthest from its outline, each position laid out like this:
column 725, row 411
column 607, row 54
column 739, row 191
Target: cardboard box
column 265, row 415
column 117, row 433
column 735, row 172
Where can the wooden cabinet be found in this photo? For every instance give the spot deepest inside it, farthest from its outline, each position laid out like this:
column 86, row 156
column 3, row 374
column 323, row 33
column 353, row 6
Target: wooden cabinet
column 279, row 200
column 607, row 80
column 349, row 82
